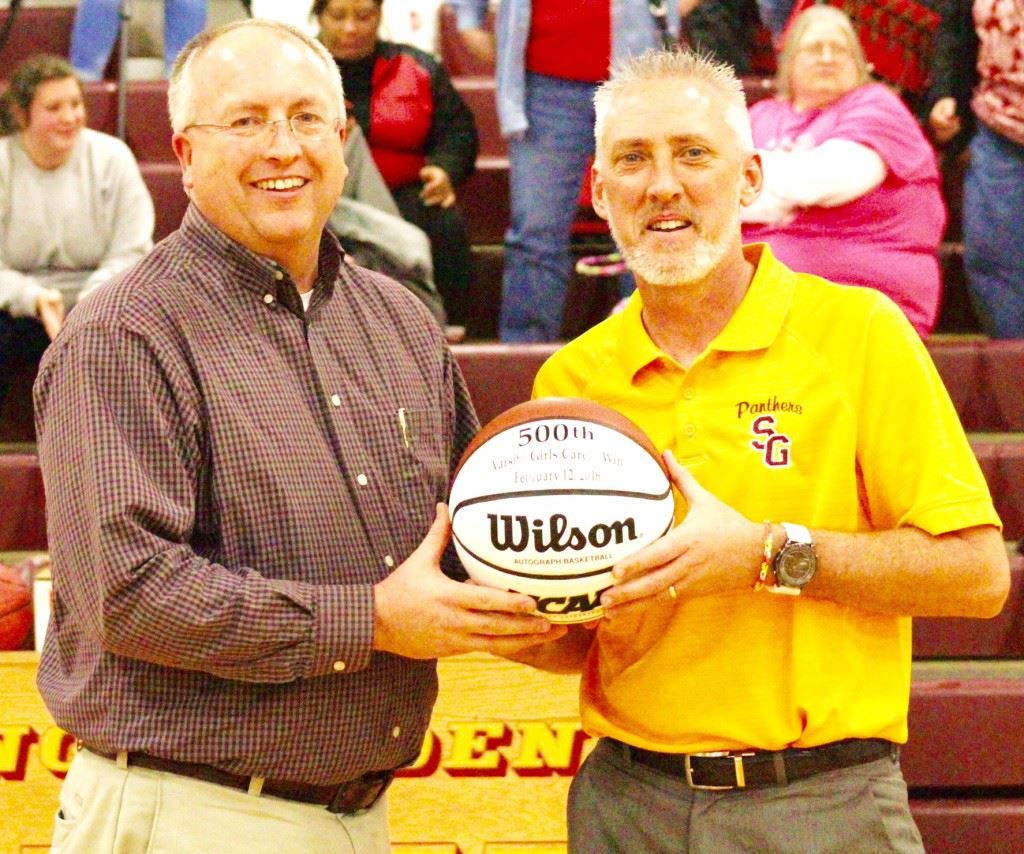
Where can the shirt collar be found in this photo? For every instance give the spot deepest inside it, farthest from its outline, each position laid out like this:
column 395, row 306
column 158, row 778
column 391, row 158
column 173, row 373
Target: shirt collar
column 754, row 325
column 260, row 274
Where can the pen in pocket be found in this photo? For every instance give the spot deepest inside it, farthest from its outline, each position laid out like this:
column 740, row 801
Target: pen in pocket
column 405, row 427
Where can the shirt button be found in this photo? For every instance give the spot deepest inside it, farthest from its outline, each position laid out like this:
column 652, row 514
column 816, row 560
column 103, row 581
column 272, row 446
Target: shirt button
column 338, row 666
column 690, row 430
column 336, row 399
column 389, row 561
column 362, row 479
column 268, row 298
column 397, row 731
column 688, row 393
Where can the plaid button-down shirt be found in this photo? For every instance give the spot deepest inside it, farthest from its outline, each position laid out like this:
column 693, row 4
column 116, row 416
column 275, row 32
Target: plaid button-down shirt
column 227, row 476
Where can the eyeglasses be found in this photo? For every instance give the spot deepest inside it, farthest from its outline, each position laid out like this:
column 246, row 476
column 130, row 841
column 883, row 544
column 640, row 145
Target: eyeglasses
column 819, row 49
column 304, row 126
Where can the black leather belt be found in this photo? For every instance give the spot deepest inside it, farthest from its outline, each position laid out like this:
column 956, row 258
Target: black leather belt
column 348, row 797
column 759, row 768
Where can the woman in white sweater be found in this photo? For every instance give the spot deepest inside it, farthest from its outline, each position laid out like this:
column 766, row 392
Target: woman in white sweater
column 74, row 210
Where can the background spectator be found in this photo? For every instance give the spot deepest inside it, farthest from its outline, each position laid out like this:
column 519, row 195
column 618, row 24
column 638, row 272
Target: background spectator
column 852, row 191
column 550, row 57
column 98, row 22
column 419, row 129
column 74, row 211
column 978, row 90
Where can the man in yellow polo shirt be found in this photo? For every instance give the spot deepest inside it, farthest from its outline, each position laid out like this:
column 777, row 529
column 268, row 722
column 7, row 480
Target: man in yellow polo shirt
column 751, row 677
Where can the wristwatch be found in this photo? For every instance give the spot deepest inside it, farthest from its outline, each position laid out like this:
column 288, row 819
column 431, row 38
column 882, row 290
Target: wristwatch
column 796, row 562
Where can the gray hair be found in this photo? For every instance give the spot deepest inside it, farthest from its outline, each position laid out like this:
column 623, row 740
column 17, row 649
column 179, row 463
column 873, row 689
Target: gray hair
column 813, row 14
column 682, row 65
column 180, row 90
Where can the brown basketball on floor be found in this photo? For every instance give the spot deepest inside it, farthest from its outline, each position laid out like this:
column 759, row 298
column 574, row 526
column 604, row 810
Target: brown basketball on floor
column 15, row 609
column 550, row 495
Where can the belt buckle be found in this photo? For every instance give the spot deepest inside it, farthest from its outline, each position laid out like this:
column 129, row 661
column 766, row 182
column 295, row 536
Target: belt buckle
column 737, row 763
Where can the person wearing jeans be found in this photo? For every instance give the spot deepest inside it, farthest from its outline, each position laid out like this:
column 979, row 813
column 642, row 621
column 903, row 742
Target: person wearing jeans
column 550, row 58
column 977, row 95
column 97, row 23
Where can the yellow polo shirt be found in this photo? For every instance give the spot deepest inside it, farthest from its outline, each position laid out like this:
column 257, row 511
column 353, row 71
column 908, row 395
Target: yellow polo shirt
column 816, row 404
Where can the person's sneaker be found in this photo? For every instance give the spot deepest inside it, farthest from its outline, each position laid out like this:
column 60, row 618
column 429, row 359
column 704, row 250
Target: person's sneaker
column 601, row 265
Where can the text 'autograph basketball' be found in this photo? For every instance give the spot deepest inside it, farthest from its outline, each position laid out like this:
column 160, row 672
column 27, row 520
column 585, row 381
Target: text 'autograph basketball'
column 549, row 495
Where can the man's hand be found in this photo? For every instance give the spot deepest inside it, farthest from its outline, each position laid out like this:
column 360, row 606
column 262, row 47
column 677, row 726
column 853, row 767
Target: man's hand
column 437, row 187
column 50, row 311
column 944, row 121
column 713, row 550
column 421, row 613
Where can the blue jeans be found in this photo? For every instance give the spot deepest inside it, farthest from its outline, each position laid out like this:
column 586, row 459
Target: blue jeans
column 97, row 23
column 546, row 169
column 993, row 219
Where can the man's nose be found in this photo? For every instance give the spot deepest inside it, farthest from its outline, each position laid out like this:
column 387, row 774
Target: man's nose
column 664, row 181
column 282, row 137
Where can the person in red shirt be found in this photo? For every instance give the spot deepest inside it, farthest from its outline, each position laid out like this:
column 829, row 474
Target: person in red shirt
column 420, row 131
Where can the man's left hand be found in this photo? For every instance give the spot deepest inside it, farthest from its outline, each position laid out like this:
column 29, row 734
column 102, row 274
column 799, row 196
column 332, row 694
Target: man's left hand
column 437, row 187
column 713, row 550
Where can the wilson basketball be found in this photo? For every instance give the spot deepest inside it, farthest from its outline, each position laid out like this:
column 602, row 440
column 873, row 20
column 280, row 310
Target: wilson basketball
column 550, row 495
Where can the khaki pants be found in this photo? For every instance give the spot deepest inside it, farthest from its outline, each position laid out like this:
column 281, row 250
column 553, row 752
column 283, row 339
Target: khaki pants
column 618, row 806
column 108, row 810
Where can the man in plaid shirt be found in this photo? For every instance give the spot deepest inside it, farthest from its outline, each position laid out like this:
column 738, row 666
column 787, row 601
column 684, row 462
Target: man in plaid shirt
column 245, row 440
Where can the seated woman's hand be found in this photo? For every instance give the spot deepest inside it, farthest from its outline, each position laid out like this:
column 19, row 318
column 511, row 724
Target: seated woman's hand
column 437, row 187
column 50, row 311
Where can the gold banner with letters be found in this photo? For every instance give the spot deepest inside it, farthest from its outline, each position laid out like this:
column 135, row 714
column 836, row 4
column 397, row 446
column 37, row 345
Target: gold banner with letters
column 492, row 778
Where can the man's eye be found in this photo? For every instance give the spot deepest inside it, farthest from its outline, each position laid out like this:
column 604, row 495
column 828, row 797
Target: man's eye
column 246, row 122
column 693, row 152
column 307, row 119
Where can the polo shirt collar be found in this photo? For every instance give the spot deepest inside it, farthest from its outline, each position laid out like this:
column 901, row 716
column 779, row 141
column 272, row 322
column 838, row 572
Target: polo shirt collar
column 754, row 325
column 757, row 321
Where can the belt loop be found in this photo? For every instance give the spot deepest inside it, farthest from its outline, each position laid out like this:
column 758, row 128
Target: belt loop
column 122, row 760
column 779, row 761
column 256, row 786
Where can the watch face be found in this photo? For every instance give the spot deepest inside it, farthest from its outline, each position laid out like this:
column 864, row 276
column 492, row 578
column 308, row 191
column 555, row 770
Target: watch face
column 797, row 564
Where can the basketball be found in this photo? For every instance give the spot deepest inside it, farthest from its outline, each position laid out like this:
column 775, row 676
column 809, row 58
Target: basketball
column 15, row 609
column 550, row 495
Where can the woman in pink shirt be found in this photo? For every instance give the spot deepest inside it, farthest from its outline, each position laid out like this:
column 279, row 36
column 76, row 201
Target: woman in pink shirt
column 852, row 191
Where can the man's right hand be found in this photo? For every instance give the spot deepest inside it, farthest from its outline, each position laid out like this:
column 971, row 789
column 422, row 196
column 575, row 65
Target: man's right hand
column 421, row 613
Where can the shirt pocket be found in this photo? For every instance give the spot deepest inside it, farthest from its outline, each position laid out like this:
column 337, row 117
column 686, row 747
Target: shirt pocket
column 419, row 469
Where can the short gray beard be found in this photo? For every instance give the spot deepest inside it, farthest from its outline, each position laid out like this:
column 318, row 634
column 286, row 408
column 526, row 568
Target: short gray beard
column 679, row 270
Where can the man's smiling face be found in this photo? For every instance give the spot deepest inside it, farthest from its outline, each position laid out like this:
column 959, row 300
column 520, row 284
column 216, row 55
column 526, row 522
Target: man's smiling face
column 669, row 177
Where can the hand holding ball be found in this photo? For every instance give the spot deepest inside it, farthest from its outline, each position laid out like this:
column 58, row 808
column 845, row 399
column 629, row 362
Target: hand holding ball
column 550, row 495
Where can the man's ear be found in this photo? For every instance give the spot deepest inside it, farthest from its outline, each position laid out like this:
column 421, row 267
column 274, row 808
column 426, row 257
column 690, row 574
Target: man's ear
column 753, row 179
column 182, row 146
column 597, row 199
